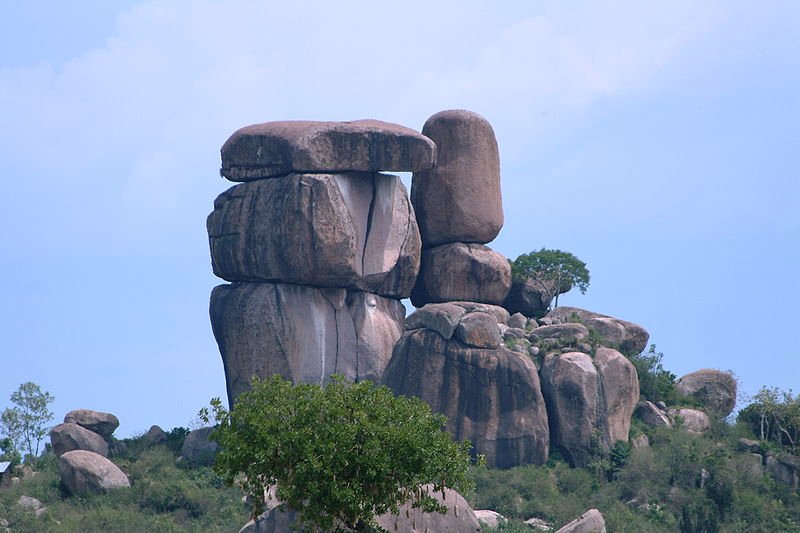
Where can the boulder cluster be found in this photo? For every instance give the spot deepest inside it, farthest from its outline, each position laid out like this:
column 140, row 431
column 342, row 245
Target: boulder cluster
column 81, row 444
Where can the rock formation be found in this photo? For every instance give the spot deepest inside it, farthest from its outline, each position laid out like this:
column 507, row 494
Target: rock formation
column 589, row 522
column 714, row 389
column 101, row 423
column 83, row 471
column 454, row 360
column 198, row 448
column 589, row 401
column 320, row 248
column 627, row 337
column 68, row 437
column 459, row 208
column 460, row 518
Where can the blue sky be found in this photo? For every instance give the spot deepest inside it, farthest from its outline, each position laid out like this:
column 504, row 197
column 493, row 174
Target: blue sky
column 657, row 141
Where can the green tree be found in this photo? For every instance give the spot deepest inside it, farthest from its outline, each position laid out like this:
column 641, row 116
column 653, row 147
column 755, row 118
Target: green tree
column 340, row 454
column 774, row 416
column 655, row 382
column 551, row 271
column 26, row 423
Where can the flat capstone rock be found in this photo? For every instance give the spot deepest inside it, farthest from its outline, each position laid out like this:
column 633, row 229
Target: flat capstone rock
column 279, row 148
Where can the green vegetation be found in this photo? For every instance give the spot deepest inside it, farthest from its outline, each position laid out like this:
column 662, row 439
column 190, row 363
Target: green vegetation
column 774, row 416
column 165, row 496
column 25, row 424
column 655, row 382
column 341, row 454
column 551, row 270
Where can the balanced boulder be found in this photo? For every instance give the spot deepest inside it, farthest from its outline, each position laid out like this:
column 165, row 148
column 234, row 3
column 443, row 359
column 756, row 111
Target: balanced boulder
column 459, row 199
column 101, row 423
column 490, row 396
column 458, row 271
column 68, row 437
column 714, row 389
column 83, row 471
column 279, row 148
column 354, row 230
column 302, row 333
column 531, row 297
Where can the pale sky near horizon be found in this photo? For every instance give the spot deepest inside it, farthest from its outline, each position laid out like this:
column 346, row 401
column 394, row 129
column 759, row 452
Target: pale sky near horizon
column 657, row 141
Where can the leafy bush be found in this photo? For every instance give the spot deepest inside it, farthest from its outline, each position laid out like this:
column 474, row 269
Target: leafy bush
column 655, row 382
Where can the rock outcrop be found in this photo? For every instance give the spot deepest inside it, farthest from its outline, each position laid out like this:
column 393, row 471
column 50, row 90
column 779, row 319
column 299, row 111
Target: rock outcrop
column 490, row 395
column 302, row 333
column 351, row 230
column 459, row 199
column 83, row 471
column 589, row 402
column 460, row 518
column 68, row 437
column 693, row 420
column 627, row 337
column 458, row 271
column 714, row 389
column 531, row 298
column 101, row 423
column 280, row 148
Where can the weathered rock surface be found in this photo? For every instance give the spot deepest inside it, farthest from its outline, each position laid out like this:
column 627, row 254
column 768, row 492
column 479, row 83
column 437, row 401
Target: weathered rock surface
column 714, row 389
column 589, row 522
column 326, row 230
column 479, row 330
column 101, row 423
column 278, row 148
column 589, row 403
column 458, row 271
column 566, row 333
column 460, row 518
column 198, row 448
column 694, row 420
column 530, row 297
column 627, row 337
column 83, row 471
column 651, row 415
column 490, row 396
column 785, row 469
column 459, row 200
column 302, row 333
column 68, row 437
column 489, row 518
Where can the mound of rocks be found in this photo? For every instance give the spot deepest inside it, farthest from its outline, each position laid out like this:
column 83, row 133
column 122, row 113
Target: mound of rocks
column 627, row 337
column 453, row 358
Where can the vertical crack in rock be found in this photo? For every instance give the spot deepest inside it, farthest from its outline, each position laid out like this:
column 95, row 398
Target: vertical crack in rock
column 370, row 214
column 601, row 416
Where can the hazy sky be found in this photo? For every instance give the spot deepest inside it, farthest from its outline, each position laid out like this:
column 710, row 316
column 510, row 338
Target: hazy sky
column 657, row 141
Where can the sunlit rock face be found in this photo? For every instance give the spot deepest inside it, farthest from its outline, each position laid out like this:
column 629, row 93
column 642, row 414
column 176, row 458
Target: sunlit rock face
column 302, row 333
column 353, row 230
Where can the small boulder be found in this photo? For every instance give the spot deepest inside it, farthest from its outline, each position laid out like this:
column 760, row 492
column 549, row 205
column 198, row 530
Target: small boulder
column 83, row 471
column 198, row 448
column 459, row 271
column 490, row 518
column 101, row 423
column 279, row 148
column 32, row 505
column 442, row 318
column 518, row 320
column 589, row 522
column 693, row 420
column 569, row 333
column 459, row 199
column 531, row 297
column 479, row 330
column 651, row 415
column 68, row 437
column 714, row 389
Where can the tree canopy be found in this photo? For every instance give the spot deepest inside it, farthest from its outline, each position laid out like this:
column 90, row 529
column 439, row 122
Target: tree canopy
column 25, row 424
column 340, row 454
column 551, row 271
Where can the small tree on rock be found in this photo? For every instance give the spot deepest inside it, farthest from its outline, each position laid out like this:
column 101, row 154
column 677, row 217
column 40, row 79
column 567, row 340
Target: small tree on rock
column 25, row 425
column 550, row 271
column 340, row 455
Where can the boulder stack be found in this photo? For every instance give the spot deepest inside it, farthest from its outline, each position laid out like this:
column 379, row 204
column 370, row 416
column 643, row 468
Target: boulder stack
column 319, row 246
column 459, row 209
column 84, row 429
